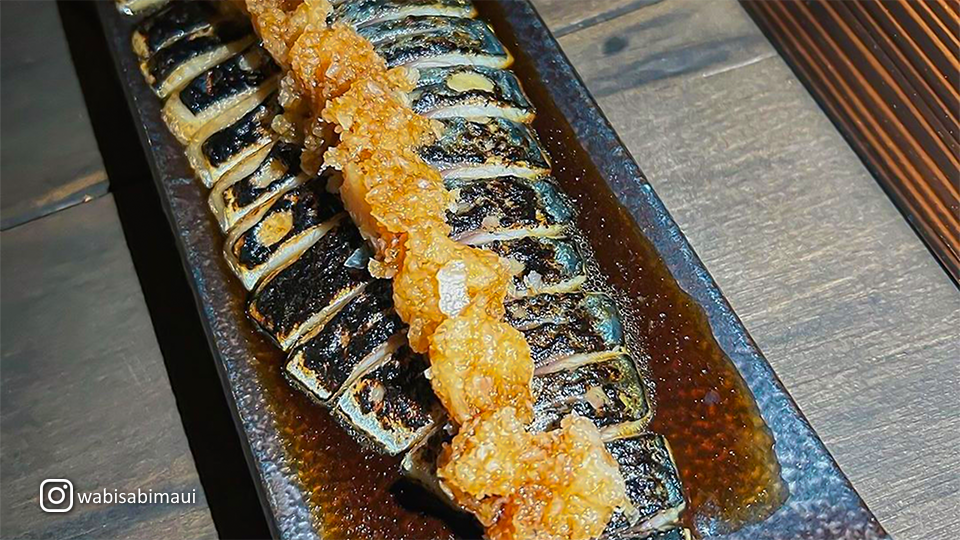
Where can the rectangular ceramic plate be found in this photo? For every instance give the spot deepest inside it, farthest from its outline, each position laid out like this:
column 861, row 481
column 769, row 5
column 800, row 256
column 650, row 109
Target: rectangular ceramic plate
column 718, row 400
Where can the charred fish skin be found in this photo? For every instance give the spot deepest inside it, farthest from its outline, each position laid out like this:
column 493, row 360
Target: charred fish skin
column 217, row 90
column 506, row 207
column 653, row 484
column 362, row 12
column 170, row 68
column 307, row 292
column 546, row 265
column 281, row 231
column 465, row 41
column 172, row 24
column 390, row 29
column 486, row 148
column 234, row 136
column 673, row 533
column 393, row 405
column 352, row 341
column 470, row 91
column 244, row 189
column 136, row 7
column 567, row 329
column 609, row 393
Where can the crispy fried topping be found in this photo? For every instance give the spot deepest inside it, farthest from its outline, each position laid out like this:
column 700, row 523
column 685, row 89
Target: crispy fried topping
column 558, row 485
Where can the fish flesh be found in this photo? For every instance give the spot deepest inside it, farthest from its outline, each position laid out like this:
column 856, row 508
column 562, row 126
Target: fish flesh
column 173, row 23
column 170, row 68
column 673, row 533
column 653, row 484
column 218, row 90
column 136, row 7
column 262, row 242
column 458, row 42
column 392, row 406
column 308, row 291
column 486, row 148
column 291, row 243
column 255, row 183
column 365, row 12
column 508, row 207
column 470, row 91
column 235, row 136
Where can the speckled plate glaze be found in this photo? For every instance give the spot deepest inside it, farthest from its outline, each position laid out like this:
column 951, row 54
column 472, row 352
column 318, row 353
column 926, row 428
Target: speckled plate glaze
column 821, row 503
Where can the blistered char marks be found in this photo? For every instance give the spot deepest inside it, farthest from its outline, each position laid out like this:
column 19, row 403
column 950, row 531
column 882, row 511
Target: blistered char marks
column 541, row 265
column 352, row 340
column 172, row 24
column 165, row 62
column 506, row 207
column 310, row 287
column 241, row 73
column 462, row 41
column 393, row 405
column 608, row 393
column 470, row 91
column 653, row 486
column 362, row 12
column 247, row 187
column 563, row 328
column 292, row 214
column 251, row 130
column 379, row 32
column 675, row 533
column 489, row 147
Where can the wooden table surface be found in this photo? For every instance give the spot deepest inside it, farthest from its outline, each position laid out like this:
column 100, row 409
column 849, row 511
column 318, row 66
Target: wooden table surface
column 84, row 393
column 852, row 311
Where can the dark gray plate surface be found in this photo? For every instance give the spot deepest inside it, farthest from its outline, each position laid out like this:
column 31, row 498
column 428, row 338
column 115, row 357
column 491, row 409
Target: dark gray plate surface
column 821, row 504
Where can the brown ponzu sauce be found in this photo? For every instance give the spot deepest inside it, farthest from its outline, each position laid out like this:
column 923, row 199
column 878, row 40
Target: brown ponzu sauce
column 722, row 447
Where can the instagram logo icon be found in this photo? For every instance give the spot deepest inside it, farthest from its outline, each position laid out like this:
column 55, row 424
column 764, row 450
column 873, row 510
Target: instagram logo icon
column 56, row 495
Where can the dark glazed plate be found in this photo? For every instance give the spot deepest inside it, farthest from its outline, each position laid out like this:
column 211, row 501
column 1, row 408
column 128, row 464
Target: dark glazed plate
column 718, row 400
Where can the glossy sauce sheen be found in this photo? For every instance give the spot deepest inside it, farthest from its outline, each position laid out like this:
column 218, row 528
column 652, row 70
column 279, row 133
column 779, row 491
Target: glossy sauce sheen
column 722, row 447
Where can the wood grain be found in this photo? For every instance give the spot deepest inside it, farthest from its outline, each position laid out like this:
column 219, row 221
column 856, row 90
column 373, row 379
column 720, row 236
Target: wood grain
column 856, row 316
column 49, row 158
column 84, row 392
column 887, row 72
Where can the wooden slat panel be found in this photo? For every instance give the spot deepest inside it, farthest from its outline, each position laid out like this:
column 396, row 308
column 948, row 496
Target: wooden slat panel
column 854, row 314
column 84, row 390
column 887, row 74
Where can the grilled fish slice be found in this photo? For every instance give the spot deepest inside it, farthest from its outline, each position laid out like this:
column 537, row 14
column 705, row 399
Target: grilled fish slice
column 567, row 330
column 254, row 183
column 271, row 236
column 674, row 533
column 609, row 392
column 136, row 7
column 357, row 338
column 388, row 30
column 653, row 484
column 242, row 132
column 470, row 91
column 392, row 406
column 308, row 291
column 172, row 67
column 541, row 265
column 462, row 41
column 486, row 148
column 505, row 208
column 363, row 12
column 218, row 90
column 173, row 23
